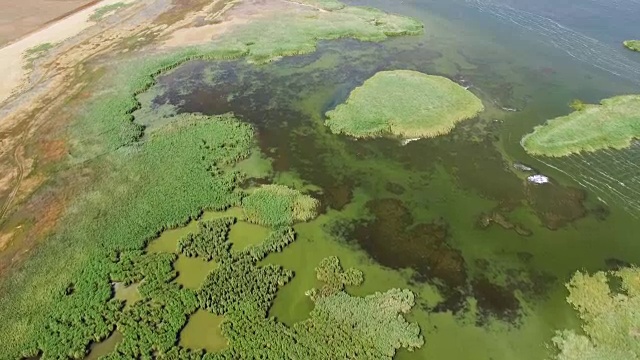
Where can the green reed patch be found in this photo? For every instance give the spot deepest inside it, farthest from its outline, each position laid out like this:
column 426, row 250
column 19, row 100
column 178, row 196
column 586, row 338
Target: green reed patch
column 611, row 320
column 615, row 123
column 160, row 184
column 210, row 242
column 403, row 103
column 334, row 278
column 277, row 205
column 632, row 45
column 341, row 326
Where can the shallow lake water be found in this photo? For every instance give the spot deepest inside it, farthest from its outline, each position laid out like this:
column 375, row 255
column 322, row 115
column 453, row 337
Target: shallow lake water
column 203, row 332
column 450, row 217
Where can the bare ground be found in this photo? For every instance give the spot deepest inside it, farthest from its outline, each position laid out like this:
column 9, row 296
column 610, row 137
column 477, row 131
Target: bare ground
column 19, row 18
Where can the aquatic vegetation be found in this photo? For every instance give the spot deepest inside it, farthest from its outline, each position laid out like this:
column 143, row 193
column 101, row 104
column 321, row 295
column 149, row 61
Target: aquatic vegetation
column 276, row 205
column 210, row 241
column 608, row 304
column 269, row 39
column 142, row 187
column 403, row 103
column 328, row 5
column 330, row 272
column 193, row 154
column 615, row 123
column 102, row 11
column 632, row 45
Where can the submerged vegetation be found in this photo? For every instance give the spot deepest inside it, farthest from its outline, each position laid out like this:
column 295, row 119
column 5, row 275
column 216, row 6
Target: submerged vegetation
column 403, row 103
column 632, row 45
column 608, row 304
column 276, row 205
column 615, row 123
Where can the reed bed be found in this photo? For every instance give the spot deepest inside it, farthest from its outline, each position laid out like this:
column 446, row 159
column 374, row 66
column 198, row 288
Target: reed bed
column 405, row 104
column 615, row 123
column 632, row 45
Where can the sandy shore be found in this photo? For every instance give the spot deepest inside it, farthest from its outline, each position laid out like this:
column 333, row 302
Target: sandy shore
column 20, row 18
column 12, row 60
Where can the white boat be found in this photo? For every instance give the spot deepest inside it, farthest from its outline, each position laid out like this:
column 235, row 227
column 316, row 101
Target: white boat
column 538, row 179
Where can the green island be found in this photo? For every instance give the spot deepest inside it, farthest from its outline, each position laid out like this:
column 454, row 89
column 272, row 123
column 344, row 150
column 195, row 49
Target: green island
column 633, row 45
column 403, row 103
column 608, row 304
column 614, row 123
column 148, row 181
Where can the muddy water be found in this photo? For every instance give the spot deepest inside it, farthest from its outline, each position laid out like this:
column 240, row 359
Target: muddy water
column 104, row 347
column 450, row 217
column 203, row 332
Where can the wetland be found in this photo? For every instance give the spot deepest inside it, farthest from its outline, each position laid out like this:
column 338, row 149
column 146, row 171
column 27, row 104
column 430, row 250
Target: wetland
column 229, row 219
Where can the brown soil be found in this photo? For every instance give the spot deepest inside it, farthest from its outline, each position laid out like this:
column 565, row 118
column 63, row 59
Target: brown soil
column 19, row 18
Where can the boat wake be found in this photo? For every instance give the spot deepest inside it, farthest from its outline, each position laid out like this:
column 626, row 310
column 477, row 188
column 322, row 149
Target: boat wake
column 574, row 43
column 612, row 175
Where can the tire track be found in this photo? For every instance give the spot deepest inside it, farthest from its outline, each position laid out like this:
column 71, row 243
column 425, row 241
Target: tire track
column 18, row 158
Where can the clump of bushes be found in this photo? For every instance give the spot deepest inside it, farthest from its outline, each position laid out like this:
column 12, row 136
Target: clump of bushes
column 330, row 272
column 278, row 205
column 608, row 304
column 210, row 242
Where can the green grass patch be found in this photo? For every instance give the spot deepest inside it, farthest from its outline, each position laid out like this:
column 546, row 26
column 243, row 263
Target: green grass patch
column 403, row 103
column 103, row 11
column 615, row 123
column 277, row 205
column 632, row 45
column 35, row 53
column 608, row 304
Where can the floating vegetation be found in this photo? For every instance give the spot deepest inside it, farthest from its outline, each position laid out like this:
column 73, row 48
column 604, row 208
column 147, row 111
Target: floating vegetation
column 403, row 103
column 608, row 304
column 632, row 45
column 612, row 124
column 277, row 205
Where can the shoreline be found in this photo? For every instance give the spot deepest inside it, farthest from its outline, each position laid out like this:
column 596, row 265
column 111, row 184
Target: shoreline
column 47, row 23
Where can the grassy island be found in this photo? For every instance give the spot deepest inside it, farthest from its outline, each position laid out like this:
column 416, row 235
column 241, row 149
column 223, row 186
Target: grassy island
column 632, row 45
column 612, row 124
column 403, row 103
